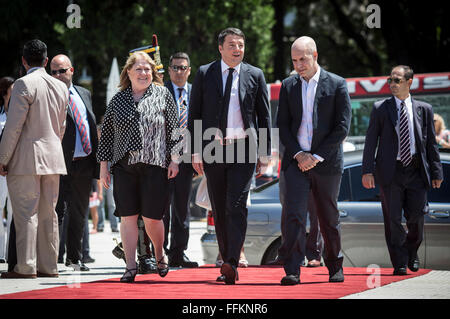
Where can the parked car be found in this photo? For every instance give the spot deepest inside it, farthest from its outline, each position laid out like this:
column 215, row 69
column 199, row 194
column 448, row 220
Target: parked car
column 362, row 227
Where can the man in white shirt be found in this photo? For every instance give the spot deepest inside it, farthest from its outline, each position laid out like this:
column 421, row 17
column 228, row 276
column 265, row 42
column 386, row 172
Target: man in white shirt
column 313, row 119
column 230, row 98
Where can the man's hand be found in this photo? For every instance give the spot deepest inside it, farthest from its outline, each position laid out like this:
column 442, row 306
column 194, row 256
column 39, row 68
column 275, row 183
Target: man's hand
column 105, row 176
column 368, row 181
column 306, row 161
column 197, row 164
column 436, row 183
column 3, row 170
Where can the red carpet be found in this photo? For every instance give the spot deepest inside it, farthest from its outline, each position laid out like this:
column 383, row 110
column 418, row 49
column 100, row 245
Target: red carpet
column 255, row 283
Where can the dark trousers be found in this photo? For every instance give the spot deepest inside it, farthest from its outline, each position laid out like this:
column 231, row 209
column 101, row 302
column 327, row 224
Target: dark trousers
column 314, row 241
column 73, row 203
column 12, row 252
column 228, row 187
column 407, row 192
column 177, row 218
column 295, row 189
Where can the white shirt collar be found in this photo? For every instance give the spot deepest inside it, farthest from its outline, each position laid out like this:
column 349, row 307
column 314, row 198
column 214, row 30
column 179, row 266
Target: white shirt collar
column 407, row 101
column 315, row 77
column 225, row 66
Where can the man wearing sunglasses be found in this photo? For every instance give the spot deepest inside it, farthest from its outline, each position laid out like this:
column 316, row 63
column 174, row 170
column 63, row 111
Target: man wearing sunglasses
column 80, row 147
column 178, row 214
column 405, row 166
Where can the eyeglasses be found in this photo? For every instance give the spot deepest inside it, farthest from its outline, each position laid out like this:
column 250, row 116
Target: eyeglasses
column 60, row 71
column 396, row 80
column 179, row 67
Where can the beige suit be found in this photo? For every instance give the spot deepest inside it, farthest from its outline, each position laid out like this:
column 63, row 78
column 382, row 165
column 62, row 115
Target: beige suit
column 31, row 149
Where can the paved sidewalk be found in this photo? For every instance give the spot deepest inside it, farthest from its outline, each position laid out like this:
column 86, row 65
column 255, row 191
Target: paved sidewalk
column 434, row 285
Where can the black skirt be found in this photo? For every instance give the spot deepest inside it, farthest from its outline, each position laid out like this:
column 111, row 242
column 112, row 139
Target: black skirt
column 140, row 189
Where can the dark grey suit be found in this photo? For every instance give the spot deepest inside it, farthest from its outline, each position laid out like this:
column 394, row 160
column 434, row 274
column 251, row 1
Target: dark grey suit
column 331, row 122
column 75, row 187
column 178, row 214
column 229, row 182
column 402, row 187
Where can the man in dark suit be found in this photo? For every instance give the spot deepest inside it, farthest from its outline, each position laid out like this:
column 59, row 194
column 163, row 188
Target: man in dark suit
column 80, row 147
column 406, row 165
column 230, row 99
column 313, row 119
column 177, row 217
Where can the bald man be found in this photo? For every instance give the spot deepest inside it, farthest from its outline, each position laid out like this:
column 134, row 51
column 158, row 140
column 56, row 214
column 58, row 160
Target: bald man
column 80, row 146
column 313, row 118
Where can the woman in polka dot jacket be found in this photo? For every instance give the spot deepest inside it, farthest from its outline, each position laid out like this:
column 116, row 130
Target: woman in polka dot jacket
column 136, row 138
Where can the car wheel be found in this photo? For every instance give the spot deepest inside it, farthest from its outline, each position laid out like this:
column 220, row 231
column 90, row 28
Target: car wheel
column 271, row 252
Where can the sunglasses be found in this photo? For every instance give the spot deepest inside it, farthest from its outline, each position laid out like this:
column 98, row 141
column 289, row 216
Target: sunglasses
column 396, row 80
column 179, row 67
column 60, row 71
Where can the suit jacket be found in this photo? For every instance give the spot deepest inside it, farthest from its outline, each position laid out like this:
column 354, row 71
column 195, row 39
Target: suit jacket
column 68, row 142
column 207, row 99
column 381, row 132
column 31, row 142
column 331, row 120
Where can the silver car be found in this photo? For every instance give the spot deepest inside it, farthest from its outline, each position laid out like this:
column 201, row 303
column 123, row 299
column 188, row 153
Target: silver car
column 362, row 227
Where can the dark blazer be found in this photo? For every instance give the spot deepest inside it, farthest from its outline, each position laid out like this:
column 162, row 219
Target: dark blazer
column 381, row 132
column 207, row 99
column 69, row 139
column 331, row 120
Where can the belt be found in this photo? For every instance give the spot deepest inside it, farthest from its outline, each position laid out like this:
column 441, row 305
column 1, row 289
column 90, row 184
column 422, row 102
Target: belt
column 78, row 158
column 414, row 161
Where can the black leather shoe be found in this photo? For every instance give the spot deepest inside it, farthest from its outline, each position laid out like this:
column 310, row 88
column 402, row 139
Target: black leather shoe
column 230, row 273
column 183, row 262
column 221, row 278
column 87, row 260
column 290, row 280
column 147, row 265
column 77, row 265
column 276, row 262
column 337, row 277
column 414, row 264
column 401, row 271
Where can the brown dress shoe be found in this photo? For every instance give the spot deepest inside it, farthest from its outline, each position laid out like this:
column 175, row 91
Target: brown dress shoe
column 314, row 263
column 43, row 274
column 16, row 275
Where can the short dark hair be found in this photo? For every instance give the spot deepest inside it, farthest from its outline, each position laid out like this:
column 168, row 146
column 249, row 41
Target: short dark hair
column 35, row 52
column 5, row 83
column 409, row 73
column 228, row 31
column 180, row 55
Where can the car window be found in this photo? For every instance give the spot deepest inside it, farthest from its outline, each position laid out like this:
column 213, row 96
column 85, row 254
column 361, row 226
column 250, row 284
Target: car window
column 442, row 194
column 358, row 192
column 344, row 191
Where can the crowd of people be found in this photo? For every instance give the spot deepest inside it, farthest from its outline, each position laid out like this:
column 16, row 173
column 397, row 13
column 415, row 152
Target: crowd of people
column 60, row 165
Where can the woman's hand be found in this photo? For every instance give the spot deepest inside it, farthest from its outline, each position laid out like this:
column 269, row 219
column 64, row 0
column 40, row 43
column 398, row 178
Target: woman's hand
column 105, row 176
column 172, row 171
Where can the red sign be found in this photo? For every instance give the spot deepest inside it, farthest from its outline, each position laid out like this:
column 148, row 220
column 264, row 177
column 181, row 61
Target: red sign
column 377, row 85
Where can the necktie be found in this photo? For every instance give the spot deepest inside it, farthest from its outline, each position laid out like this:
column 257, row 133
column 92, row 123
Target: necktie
column 85, row 143
column 183, row 109
column 405, row 150
column 226, row 102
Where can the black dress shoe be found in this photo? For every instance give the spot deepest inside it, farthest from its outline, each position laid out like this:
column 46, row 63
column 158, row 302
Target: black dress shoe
column 414, row 264
column 290, row 280
column 337, row 277
column 221, row 278
column 276, row 262
column 230, row 273
column 87, row 260
column 183, row 262
column 147, row 265
column 401, row 271
column 77, row 265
